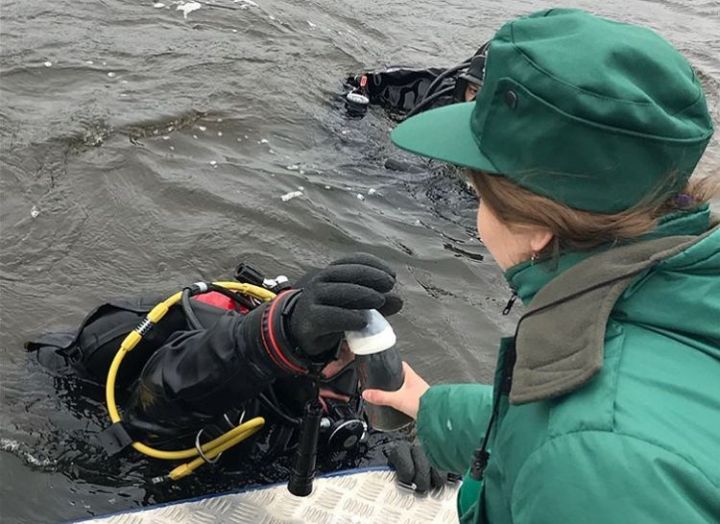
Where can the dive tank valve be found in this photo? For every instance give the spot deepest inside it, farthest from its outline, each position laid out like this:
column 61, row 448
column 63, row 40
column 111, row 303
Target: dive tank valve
column 379, row 366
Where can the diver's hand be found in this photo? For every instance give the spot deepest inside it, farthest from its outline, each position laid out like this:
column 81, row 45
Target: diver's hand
column 405, row 399
column 413, row 468
column 331, row 298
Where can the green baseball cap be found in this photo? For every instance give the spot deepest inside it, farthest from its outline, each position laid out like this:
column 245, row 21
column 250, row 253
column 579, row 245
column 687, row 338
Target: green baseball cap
column 589, row 112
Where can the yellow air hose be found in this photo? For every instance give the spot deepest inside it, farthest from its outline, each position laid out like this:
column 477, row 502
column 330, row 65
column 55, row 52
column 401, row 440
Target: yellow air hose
column 210, row 449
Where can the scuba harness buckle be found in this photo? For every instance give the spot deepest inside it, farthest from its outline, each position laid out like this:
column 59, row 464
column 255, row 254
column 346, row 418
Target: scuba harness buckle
column 202, row 454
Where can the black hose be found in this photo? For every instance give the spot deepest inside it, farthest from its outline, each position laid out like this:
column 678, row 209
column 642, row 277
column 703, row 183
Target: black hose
column 275, row 409
column 232, row 295
column 442, row 76
column 426, row 101
column 192, row 319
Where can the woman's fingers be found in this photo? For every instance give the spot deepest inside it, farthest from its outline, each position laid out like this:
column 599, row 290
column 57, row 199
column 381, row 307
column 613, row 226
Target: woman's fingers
column 406, row 399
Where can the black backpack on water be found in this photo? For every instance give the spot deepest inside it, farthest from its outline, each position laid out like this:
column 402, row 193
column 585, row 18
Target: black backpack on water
column 89, row 350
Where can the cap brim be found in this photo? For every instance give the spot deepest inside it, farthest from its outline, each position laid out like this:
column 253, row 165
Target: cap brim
column 444, row 134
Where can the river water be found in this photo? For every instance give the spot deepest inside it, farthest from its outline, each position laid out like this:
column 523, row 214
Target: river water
column 144, row 148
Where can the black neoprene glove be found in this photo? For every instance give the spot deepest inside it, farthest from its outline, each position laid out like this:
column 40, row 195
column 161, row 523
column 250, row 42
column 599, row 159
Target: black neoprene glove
column 413, row 468
column 331, row 298
column 304, row 326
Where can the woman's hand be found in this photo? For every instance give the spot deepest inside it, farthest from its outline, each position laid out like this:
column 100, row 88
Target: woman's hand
column 405, row 399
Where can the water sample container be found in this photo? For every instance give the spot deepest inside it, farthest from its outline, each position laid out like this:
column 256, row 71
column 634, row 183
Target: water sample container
column 379, row 366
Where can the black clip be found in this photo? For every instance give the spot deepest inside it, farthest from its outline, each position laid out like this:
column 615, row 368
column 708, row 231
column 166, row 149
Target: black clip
column 115, row 439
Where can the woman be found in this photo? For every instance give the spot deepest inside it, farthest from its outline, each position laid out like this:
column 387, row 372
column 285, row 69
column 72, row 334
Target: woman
column 606, row 404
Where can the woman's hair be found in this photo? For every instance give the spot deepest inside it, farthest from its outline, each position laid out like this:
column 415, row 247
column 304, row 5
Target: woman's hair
column 576, row 229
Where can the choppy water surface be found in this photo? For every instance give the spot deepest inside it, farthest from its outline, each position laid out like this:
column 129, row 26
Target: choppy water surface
column 144, row 147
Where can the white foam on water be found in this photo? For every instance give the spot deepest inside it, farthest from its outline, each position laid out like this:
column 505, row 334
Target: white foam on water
column 158, row 5
column 47, row 64
column 293, row 167
column 8, row 445
column 13, row 446
column 311, row 24
column 188, row 8
column 291, row 195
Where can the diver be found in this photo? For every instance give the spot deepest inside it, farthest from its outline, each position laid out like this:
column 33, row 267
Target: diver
column 220, row 358
column 404, row 92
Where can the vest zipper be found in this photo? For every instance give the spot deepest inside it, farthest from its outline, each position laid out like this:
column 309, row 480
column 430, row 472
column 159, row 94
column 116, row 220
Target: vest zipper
column 510, row 303
column 481, row 454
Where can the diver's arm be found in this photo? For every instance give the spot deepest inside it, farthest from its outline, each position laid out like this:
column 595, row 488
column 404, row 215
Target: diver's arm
column 226, row 363
column 198, row 375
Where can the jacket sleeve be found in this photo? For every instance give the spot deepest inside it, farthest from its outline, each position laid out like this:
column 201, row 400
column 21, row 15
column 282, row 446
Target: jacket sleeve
column 198, row 375
column 599, row 477
column 451, row 423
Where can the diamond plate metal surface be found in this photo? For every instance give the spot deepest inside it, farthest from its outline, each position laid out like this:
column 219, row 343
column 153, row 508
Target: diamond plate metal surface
column 368, row 497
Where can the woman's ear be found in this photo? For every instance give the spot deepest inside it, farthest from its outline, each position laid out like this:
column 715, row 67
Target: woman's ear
column 540, row 238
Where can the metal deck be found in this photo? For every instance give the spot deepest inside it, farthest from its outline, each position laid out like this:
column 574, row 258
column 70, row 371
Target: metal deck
column 366, row 497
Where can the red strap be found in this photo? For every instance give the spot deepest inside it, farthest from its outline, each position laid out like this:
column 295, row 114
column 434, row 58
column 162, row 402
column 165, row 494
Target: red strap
column 274, row 346
column 265, row 344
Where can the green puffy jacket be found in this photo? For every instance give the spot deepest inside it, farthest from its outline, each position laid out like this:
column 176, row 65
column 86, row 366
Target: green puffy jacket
column 607, row 399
